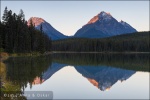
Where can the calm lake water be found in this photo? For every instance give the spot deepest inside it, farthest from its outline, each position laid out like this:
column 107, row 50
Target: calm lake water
column 82, row 76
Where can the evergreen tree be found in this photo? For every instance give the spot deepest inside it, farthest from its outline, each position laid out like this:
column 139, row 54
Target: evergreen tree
column 21, row 15
column 1, row 35
column 5, row 16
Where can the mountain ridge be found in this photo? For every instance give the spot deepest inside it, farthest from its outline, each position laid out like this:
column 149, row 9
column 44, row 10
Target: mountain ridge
column 100, row 26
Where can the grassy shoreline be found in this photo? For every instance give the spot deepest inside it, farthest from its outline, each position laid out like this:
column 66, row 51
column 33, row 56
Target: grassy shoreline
column 5, row 55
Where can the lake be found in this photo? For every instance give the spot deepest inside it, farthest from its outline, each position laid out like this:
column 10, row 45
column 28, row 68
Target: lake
column 79, row 75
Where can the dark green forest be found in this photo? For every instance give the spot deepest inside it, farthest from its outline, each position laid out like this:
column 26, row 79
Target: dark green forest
column 17, row 37
column 134, row 42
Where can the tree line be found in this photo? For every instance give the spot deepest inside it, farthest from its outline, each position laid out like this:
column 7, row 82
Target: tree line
column 17, row 37
column 134, row 42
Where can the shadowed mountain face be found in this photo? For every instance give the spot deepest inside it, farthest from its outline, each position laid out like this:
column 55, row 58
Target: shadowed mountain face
column 104, row 77
column 104, row 25
column 47, row 28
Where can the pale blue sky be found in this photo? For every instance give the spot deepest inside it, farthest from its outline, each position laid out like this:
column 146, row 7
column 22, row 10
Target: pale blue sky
column 69, row 16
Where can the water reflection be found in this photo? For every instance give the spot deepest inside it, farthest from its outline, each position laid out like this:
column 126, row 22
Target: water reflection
column 137, row 62
column 20, row 71
column 104, row 77
column 101, row 70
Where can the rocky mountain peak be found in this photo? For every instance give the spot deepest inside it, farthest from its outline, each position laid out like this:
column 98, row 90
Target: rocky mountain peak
column 101, row 16
column 104, row 14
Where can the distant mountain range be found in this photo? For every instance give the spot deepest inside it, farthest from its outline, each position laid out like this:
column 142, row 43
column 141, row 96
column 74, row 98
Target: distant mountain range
column 47, row 28
column 101, row 25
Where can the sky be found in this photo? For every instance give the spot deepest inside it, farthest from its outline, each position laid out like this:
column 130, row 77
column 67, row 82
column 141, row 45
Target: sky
column 69, row 16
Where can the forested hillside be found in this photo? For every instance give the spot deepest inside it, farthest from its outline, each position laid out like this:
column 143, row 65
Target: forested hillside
column 135, row 42
column 17, row 37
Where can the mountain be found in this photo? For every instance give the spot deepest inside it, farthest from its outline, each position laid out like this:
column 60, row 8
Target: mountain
column 47, row 28
column 104, row 25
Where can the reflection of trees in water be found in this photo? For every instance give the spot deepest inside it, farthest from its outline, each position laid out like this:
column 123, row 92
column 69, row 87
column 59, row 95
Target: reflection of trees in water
column 8, row 87
column 23, row 70
column 137, row 62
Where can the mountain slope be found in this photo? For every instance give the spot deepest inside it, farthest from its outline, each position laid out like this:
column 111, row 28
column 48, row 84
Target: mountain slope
column 47, row 28
column 104, row 25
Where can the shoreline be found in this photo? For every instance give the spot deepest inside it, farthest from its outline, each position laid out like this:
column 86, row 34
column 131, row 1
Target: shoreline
column 5, row 55
column 102, row 52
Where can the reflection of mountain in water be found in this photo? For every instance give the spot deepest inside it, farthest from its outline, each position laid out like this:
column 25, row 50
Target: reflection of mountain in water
column 104, row 77
column 35, row 70
column 52, row 70
column 48, row 73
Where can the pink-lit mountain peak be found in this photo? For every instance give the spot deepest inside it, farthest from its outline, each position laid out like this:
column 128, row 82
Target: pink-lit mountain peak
column 36, row 21
column 101, row 16
column 47, row 28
